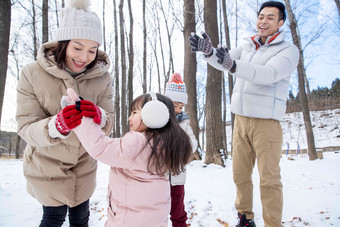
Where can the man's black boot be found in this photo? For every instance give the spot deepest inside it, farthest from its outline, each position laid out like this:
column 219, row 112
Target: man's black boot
column 243, row 222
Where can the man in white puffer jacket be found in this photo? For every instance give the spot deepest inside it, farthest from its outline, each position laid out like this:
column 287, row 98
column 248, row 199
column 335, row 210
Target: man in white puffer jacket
column 262, row 68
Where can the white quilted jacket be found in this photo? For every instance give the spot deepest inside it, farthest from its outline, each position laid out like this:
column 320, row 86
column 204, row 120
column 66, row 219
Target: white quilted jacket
column 262, row 76
column 180, row 179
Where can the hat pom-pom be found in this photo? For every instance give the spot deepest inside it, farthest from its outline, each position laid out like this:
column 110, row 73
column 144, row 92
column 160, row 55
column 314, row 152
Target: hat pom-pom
column 79, row 4
column 176, row 78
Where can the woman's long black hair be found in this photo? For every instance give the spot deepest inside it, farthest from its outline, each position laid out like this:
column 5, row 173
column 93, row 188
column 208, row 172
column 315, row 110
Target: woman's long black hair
column 171, row 146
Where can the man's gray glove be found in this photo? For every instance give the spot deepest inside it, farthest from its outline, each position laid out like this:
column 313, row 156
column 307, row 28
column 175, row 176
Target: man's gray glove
column 224, row 59
column 201, row 44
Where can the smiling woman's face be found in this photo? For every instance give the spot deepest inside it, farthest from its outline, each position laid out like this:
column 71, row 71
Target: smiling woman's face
column 80, row 53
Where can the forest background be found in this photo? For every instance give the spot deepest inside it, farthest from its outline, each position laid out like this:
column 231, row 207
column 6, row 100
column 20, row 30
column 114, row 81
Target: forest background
column 147, row 43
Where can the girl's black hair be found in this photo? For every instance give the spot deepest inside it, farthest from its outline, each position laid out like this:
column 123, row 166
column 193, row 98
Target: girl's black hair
column 60, row 55
column 171, row 146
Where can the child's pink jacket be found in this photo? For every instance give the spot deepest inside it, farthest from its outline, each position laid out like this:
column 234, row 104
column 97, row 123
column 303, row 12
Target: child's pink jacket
column 136, row 197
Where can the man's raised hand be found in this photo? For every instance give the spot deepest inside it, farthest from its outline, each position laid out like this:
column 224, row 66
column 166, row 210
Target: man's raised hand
column 223, row 57
column 201, row 44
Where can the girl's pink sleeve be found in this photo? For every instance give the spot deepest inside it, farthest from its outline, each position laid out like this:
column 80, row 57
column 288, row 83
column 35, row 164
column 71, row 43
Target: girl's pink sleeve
column 118, row 152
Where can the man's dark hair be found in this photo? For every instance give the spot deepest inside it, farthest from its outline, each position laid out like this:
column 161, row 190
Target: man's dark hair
column 279, row 5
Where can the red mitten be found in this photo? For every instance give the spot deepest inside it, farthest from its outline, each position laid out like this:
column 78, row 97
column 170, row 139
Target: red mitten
column 88, row 109
column 68, row 118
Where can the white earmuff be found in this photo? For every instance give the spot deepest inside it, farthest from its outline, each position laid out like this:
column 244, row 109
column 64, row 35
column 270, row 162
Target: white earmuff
column 155, row 114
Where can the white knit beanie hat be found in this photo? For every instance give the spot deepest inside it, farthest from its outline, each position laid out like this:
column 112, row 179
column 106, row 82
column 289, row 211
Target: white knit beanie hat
column 176, row 90
column 79, row 23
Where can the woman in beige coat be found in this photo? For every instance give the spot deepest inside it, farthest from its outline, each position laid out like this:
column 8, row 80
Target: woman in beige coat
column 59, row 172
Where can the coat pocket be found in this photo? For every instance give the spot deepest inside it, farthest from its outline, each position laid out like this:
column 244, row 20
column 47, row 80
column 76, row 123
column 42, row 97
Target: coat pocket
column 110, row 211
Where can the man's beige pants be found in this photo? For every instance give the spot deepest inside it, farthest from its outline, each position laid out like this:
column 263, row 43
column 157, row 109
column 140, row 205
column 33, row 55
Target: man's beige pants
column 260, row 139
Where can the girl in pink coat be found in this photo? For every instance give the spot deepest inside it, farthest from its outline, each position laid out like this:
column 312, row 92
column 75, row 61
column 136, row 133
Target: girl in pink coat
column 141, row 160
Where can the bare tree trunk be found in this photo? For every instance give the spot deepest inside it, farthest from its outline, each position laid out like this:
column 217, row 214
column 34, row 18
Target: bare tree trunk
column 104, row 39
column 302, row 88
column 201, row 136
column 190, row 65
column 16, row 59
column 166, row 78
column 116, row 77
column 230, row 77
column 150, row 67
column 124, row 122
column 56, row 12
column 169, row 34
column 337, row 2
column 204, row 130
column 35, row 43
column 157, row 20
column 213, row 91
column 131, row 58
column 153, row 45
column 307, row 87
column 45, row 21
column 17, row 147
column 144, row 49
column 224, row 98
column 5, row 25
column 236, row 22
column 224, row 119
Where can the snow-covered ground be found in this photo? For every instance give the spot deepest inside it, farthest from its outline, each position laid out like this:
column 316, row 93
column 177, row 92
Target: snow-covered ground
column 311, row 194
column 311, row 188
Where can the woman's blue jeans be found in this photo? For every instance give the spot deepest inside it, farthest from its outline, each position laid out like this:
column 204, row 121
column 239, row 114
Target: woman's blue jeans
column 55, row 216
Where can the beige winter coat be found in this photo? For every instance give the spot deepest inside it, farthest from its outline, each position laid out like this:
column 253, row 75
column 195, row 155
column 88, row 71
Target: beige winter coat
column 58, row 170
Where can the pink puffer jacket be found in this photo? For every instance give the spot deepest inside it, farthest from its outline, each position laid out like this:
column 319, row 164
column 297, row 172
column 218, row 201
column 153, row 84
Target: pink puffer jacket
column 136, row 197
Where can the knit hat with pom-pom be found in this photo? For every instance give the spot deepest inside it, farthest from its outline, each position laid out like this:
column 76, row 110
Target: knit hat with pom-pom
column 79, row 23
column 176, row 90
